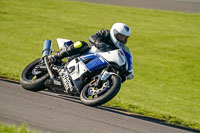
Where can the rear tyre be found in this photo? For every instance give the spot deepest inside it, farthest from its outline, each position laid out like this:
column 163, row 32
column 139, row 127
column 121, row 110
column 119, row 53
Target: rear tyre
column 92, row 96
column 30, row 81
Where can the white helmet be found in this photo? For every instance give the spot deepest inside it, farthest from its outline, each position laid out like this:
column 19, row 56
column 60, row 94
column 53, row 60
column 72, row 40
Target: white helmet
column 119, row 34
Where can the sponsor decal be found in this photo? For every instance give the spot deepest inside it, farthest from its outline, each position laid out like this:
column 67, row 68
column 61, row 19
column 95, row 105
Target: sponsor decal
column 67, row 83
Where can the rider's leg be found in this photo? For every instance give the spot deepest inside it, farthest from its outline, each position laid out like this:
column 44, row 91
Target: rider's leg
column 79, row 47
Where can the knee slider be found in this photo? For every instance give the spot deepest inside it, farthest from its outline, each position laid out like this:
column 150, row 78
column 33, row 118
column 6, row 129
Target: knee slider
column 78, row 44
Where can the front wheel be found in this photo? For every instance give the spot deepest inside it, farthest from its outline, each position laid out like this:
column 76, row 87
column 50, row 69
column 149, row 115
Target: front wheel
column 31, row 79
column 93, row 96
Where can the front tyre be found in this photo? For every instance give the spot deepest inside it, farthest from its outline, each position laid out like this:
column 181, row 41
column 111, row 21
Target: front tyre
column 93, row 96
column 31, row 80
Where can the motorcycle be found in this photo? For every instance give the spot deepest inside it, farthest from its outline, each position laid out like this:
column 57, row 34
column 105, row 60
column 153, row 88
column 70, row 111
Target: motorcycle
column 95, row 76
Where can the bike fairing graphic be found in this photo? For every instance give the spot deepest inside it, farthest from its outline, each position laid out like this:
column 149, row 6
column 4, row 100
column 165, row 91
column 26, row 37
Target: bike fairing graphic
column 128, row 58
column 95, row 61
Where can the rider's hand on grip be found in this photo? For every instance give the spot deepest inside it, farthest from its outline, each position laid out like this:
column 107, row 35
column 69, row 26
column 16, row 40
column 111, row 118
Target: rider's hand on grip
column 103, row 46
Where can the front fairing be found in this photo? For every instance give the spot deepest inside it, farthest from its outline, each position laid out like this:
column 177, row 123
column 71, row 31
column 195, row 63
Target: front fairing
column 116, row 56
column 129, row 58
column 121, row 56
column 93, row 61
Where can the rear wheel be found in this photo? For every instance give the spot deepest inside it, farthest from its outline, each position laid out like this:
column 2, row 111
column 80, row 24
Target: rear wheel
column 94, row 96
column 31, row 79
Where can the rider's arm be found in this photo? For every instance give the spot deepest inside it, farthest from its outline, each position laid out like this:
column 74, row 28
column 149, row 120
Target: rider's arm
column 98, row 39
column 78, row 47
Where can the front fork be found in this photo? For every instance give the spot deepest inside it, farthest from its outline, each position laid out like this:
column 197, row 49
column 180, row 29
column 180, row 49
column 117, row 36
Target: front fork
column 48, row 67
column 103, row 77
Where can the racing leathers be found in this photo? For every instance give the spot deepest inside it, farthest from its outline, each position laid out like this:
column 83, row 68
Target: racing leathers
column 78, row 47
column 102, row 40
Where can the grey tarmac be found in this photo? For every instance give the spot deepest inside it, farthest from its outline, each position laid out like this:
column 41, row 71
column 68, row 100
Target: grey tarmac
column 192, row 6
column 48, row 112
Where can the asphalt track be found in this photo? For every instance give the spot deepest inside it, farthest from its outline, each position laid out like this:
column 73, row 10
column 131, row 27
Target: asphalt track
column 192, row 6
column 47, row 112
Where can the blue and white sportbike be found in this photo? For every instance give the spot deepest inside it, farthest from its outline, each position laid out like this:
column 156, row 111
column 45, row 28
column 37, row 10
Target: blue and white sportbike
column 95, row 76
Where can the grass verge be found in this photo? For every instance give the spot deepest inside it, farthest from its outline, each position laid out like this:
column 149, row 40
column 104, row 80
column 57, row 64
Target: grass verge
column 14, row 129
column 165, row 47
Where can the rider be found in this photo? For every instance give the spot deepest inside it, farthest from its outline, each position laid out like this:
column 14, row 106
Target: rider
column 113, row 39
column 103, row 40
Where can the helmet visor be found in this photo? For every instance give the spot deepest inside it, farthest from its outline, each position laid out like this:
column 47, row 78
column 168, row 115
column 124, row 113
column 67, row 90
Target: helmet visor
column 120, row 37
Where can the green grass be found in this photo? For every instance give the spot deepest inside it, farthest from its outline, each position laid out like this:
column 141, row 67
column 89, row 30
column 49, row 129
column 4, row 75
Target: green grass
column 14, row 129
column 165, row 46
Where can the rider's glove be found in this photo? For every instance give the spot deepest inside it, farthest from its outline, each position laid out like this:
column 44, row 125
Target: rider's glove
column 103, row 46
column 131, row 75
